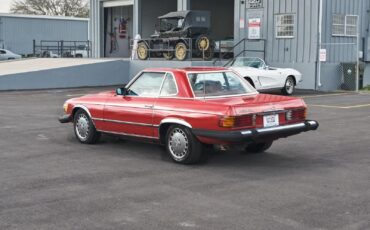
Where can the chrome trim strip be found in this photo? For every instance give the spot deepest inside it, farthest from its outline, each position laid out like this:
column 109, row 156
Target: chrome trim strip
column 124, row 122
column 246, row 132
column 126, row 134
column 312, row 122
column 176, row 121
column 155, row 108
column 80, row 106
column 279, row 128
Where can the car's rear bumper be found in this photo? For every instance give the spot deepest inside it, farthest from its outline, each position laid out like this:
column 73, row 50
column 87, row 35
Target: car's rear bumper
column 272, row 133
column 65, row 118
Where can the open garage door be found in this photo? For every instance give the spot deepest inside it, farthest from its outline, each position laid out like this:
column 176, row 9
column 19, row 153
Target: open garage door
column 222, row 16
column 150, row 11
column 118, row 27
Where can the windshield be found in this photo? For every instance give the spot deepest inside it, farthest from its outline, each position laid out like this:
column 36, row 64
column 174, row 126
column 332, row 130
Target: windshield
column 167, row 24
column 248, row 62
column 213, row 84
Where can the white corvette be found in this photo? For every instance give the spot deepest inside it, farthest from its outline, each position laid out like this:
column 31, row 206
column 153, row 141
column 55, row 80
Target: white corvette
column 263, row 77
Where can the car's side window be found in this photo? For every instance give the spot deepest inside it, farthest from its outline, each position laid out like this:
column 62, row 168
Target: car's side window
column 2, row 52
column 147, row 85
column 169, row 87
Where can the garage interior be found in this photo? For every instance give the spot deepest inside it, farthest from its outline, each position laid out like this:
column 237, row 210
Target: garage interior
column 222, row 16
column 118, row 21
column 118, row 30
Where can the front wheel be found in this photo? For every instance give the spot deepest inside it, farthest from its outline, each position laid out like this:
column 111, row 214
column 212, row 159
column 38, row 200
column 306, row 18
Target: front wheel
column 142, row 51
column 289, row 86
column 182, row 145
column 84, row 128
column 258, row 147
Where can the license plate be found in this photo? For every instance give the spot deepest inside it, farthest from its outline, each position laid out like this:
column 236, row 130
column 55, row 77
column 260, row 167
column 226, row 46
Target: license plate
column 271, row 120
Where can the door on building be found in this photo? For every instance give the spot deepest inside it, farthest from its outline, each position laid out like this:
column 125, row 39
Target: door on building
column 118, row 28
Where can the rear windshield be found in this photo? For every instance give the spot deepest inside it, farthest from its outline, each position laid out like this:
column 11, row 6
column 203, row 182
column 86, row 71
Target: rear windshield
column 213, row 84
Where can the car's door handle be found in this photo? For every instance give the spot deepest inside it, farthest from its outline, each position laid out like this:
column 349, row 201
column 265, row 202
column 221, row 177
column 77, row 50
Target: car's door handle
column 148, row 106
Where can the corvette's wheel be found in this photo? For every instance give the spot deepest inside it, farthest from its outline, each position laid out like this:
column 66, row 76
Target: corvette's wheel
column 258, row 147
column 168, row 55
column 181, row 51
column 142, row 51
column 289, row 86
column 84, row 128
column 182, row 145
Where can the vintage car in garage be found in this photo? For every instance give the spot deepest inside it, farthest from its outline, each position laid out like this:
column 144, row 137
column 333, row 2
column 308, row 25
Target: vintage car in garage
column 187, row 109
column 263, row 77
column 180, row 34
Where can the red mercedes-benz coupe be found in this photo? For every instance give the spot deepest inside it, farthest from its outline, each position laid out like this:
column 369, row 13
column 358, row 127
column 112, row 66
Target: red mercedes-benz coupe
column 185, row 109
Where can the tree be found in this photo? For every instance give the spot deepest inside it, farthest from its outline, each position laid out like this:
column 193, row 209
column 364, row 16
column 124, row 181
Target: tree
column 71, row 8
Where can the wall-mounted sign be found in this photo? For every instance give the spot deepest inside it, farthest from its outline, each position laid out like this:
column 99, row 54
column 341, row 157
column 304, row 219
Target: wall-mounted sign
column 254, row 28
column 323, row 55
column 241, row 23
column 253, row 4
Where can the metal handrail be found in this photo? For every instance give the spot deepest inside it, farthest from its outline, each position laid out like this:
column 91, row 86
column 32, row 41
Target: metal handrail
column 246, row 50
column 232, row 48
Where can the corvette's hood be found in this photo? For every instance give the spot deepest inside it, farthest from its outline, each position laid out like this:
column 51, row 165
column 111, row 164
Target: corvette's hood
column 259, row 103
column 251, row 69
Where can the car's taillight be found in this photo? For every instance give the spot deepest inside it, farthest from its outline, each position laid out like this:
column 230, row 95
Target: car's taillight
column 239, row 121
column 227, row 122
column 296, row 114
column 246, row 120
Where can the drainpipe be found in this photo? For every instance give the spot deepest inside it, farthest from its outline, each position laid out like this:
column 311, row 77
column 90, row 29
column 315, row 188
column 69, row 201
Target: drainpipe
column 318, row 75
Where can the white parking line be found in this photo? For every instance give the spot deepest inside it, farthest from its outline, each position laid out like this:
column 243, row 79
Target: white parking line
column 341, row 107
column 328, row 95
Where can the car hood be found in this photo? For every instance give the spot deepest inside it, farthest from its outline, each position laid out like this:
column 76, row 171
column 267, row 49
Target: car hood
column 96, row 97
column 258, row 103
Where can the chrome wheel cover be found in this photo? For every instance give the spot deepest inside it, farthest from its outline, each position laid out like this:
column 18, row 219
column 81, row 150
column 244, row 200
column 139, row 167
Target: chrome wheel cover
column 82, row 127
column 289, row 86
column 178, row 144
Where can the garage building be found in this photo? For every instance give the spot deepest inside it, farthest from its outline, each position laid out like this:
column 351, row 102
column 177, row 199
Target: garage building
column 17, row 32
column 323, row 39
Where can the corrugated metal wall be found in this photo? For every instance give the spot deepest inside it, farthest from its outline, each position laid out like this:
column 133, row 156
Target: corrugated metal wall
column 344, row 52
column 18, row 33
column 301, row 48
column 299, row 52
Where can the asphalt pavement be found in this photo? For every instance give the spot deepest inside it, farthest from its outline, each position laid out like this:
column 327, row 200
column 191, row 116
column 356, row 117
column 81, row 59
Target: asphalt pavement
column 315, row 180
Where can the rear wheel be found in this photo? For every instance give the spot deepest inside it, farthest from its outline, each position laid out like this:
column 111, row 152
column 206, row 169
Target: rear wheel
column 84, row 128
column 258, row 147
column 203, row 42
column 181, row 51
column 289, row 86
column 182, row 145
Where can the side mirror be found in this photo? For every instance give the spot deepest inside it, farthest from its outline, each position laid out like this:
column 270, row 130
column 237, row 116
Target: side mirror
column 267, row 67
column 121, row 91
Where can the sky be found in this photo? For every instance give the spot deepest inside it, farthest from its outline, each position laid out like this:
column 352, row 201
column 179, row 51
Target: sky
column 5, row 5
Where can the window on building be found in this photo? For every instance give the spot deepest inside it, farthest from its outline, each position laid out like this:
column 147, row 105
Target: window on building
column 344, row 25
column 285, row 26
